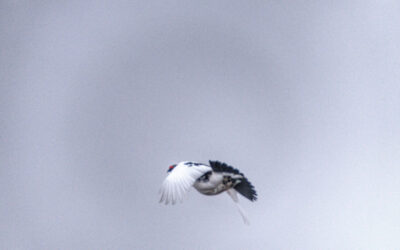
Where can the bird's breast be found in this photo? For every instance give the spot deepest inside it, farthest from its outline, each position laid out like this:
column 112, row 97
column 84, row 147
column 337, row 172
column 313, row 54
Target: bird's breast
column 211, row 184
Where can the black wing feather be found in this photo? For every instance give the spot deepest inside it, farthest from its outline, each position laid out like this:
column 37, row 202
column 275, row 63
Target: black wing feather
column 245, row 188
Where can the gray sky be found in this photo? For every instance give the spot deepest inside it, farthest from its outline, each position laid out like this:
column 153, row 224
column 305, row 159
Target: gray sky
column 98, row 98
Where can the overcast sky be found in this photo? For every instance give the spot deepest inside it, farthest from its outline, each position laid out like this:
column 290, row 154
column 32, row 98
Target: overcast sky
column 98, row 98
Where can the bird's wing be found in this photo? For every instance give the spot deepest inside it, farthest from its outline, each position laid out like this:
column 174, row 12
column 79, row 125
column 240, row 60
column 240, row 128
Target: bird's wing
column 244, row 187
column 233, row 194
column 180, row 179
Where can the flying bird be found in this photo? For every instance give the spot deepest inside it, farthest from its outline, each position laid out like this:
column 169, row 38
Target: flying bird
column 210, row 179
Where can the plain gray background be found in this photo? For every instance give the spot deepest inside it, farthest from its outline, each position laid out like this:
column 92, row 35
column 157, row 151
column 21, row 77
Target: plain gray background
column 98, row 98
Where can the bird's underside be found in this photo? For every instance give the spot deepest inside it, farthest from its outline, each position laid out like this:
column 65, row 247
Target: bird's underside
column 210, row 179
column 212, row 183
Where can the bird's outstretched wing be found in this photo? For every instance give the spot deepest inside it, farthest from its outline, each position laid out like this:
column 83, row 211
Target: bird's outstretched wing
column 180, row 179
column 244, row 188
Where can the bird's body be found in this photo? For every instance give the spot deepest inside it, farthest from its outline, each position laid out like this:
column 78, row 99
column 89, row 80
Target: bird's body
column 210, row 179
column 210, row 184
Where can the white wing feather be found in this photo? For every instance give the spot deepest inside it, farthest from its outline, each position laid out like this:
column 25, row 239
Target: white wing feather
column 179, row 181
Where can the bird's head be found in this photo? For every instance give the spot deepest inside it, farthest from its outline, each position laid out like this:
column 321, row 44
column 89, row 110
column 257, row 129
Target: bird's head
column 171, row 167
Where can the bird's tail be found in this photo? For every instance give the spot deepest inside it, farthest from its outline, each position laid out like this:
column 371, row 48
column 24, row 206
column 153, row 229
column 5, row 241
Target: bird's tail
column 232, row 193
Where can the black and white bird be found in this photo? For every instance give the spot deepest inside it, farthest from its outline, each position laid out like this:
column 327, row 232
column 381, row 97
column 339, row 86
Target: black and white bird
column 210, row 179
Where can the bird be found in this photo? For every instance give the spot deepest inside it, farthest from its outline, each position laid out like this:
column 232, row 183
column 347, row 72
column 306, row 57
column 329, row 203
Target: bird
column 212, row 179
